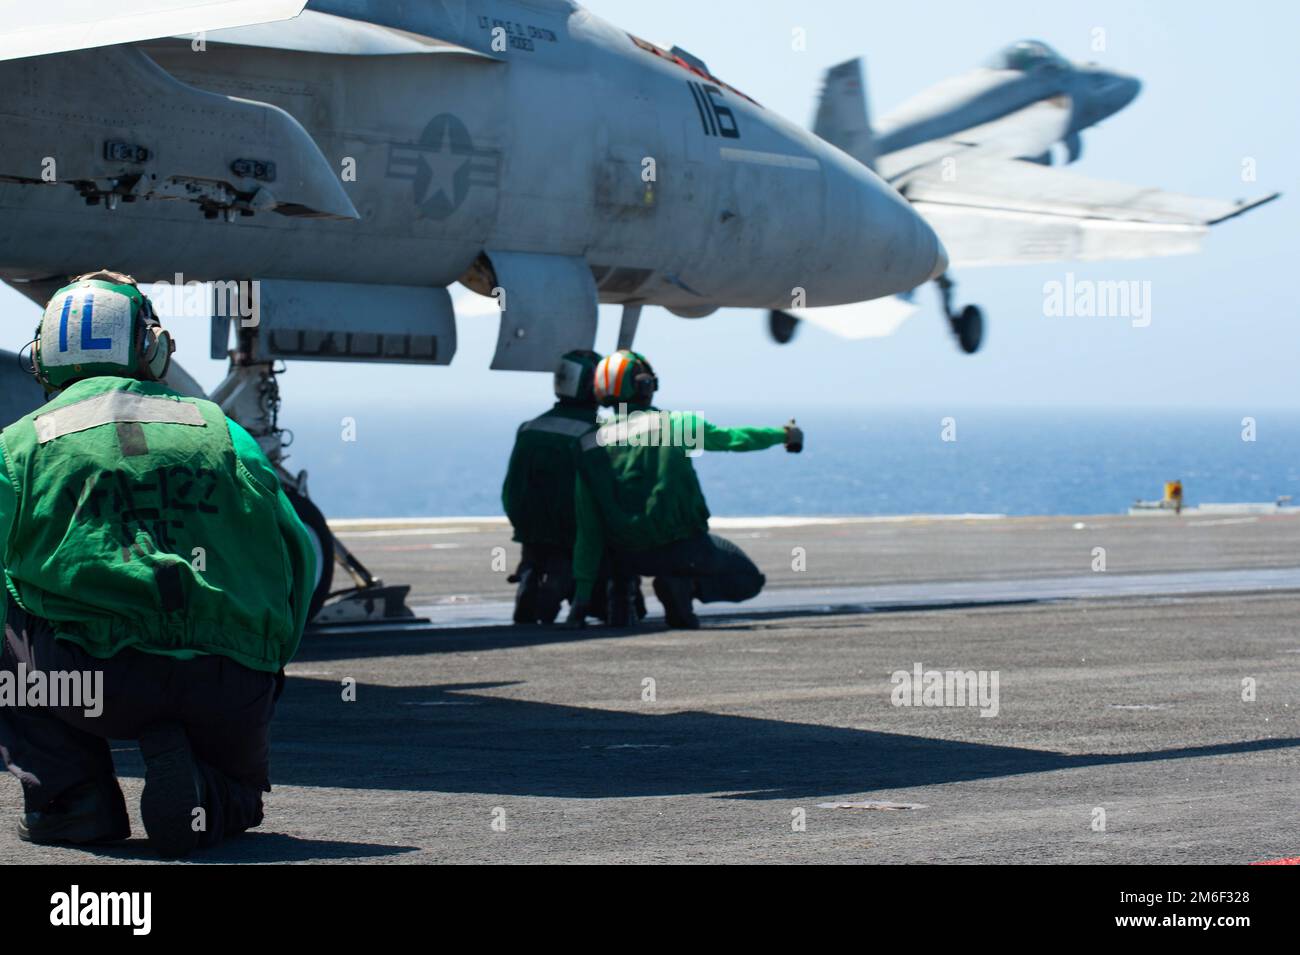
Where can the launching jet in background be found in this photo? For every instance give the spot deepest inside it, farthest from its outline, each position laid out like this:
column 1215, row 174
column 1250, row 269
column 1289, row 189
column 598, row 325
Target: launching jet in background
column 1024, row 101
column 340, row 167
column 970, row 152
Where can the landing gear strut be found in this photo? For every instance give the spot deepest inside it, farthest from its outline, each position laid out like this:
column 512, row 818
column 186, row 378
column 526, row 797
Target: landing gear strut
column 250, row 395
column 968, row 325
column 627, row 327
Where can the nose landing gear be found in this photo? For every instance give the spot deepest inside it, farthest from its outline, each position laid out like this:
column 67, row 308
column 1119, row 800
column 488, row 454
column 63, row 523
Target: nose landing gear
column 968, row 324
column 250, row 395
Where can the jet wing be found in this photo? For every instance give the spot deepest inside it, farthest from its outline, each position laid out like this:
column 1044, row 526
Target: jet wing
column 1003, row 211
column 59, row 26
column 316, row 32
column 129, row 131
column 1030, row 131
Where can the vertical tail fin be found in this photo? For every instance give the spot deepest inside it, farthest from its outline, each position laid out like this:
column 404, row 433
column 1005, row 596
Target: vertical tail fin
column 843, row 117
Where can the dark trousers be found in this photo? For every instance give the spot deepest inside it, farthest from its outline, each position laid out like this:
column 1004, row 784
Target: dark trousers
column 545, row 578
column 224, row 708
column 551, row 583
column 720, row 569
column 549, row 561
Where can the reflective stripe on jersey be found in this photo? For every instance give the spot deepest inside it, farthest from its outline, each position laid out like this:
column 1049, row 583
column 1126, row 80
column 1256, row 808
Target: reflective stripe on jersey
column 115, row 407
column 556, row 425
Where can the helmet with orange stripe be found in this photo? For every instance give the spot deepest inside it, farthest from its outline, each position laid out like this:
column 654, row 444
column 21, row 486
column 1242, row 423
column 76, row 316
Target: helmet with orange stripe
column 625, row 377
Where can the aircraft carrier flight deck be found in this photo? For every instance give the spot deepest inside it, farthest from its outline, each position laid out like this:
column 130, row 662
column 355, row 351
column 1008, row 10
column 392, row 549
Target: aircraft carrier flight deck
column 1146, row 705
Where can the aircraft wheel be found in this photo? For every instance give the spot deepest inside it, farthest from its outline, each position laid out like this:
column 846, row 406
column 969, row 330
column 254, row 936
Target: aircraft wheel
column 969, row 327
column 322, row 542
column 781, row 326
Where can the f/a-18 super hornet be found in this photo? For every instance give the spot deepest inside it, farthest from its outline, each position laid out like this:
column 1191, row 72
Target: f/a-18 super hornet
column 970, row 154
column 333, row 170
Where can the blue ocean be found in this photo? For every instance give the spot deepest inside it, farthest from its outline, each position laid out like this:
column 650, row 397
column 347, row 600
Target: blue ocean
column 440, row 462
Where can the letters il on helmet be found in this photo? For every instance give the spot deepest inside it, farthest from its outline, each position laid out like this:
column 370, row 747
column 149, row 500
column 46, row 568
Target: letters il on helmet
column 100, row 324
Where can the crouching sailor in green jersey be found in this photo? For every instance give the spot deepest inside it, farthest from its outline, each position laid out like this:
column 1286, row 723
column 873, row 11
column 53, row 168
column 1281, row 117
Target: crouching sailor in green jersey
column 146, row 545
column 637, row 497
column 538, row 491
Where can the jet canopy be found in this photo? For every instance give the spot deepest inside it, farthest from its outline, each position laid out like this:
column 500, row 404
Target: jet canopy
column 1028, row 55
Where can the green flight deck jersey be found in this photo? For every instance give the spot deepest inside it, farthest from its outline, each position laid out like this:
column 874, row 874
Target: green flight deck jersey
column 538, row 490
column 131, row 516
column 637, row 487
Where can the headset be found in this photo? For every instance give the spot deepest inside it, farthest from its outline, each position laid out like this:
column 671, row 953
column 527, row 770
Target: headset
column 645, row 381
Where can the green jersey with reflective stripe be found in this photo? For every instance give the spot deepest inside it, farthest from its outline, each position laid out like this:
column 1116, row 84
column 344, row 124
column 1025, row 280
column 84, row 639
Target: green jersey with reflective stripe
column 538, row 491
column 131, row 516
column 637, row 487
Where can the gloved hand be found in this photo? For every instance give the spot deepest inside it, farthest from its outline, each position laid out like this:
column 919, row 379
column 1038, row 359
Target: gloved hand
column 793, row 437
column 577, row 618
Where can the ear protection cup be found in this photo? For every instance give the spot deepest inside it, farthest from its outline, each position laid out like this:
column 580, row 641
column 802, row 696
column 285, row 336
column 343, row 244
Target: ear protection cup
column 154, row 345
column 156, row 357
column 29, row 365
column 646, row 382
column 646, row 386
column 36, row 363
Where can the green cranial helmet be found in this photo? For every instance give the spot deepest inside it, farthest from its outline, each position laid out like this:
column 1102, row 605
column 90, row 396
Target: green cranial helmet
column 101, row 324
column 575, row 376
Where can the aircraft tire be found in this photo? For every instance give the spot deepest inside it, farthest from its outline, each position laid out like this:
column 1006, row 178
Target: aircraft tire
column 970, row 329
column 781, row 326
column 322, row 542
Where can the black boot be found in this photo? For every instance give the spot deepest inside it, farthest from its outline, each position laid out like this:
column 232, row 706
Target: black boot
column 551, row 594
column 620, row 609
column 173, row 790
column 597, row 606
column 676, row 593
column 89, row 814
column 641, row 612
column 525, row 594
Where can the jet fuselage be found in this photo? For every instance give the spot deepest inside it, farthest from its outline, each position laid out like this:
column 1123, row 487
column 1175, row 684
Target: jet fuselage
column 574, row 140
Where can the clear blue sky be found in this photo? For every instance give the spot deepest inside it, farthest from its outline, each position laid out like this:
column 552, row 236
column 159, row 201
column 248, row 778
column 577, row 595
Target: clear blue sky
column 1220, row 83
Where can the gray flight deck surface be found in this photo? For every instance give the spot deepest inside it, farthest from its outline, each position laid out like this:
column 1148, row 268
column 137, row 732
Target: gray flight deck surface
column 1119, row 690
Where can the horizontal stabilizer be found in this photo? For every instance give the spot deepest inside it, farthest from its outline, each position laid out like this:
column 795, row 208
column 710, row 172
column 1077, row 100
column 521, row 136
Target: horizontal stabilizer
column 58, row 26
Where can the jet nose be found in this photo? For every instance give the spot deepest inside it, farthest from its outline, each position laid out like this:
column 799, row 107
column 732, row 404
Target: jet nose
column 1128, row 89
column 1111, row 93
column 903, row 246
